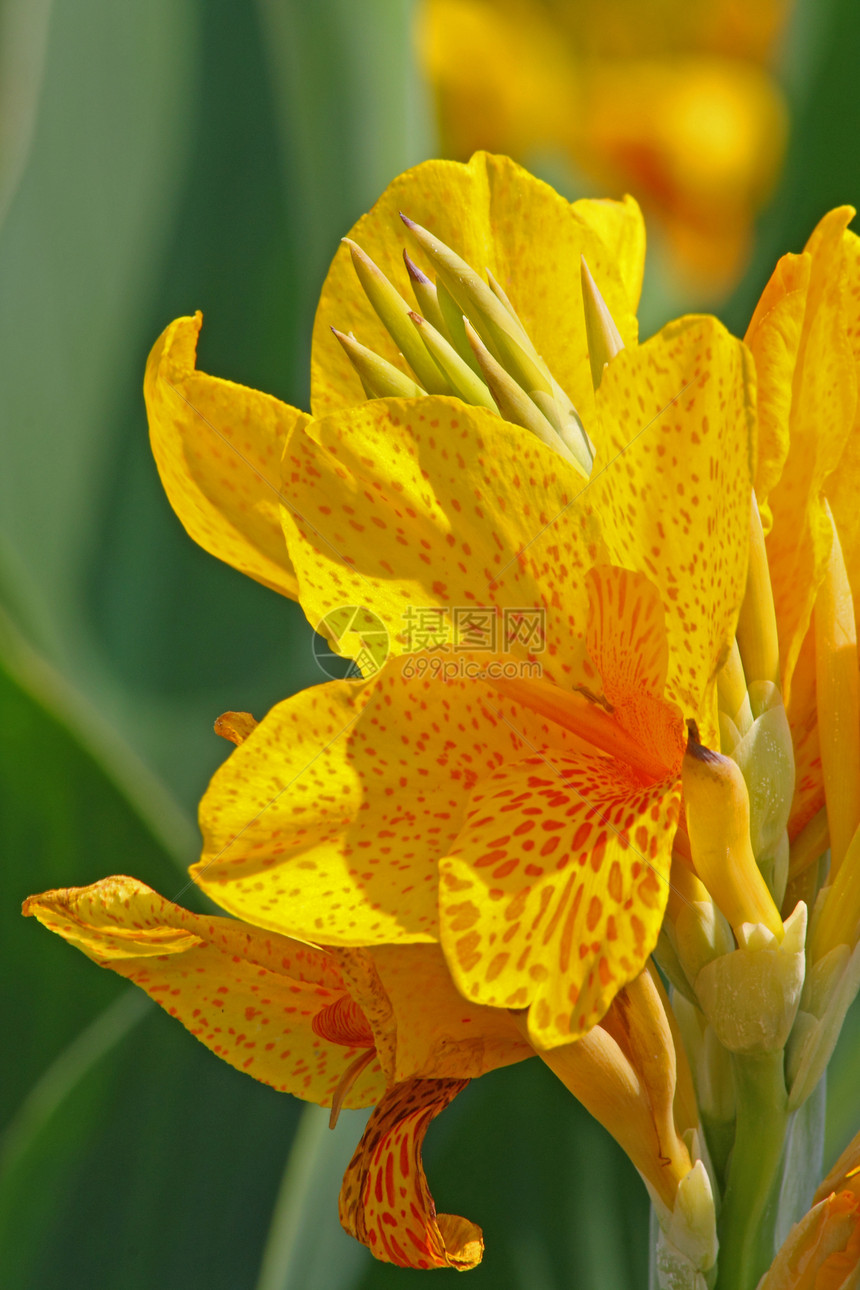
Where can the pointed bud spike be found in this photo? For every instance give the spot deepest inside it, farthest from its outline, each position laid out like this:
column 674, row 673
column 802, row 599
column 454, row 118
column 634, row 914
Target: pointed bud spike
column 412, row 269
column 464, row 383
column 393, row 312
column 604, row 338
column 513, row 402
column 426, row 295
column 500, row 294
column 503, row 334
column 452, row 317
column 379, row 378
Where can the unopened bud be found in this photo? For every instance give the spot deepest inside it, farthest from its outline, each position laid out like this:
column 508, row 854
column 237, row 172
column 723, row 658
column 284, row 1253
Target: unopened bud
column 690, row 1237
column 832, row 986
column 379, row 378
column 426, row 295
column 718, row 824
column 604, row 338
column 393, row 312
column 751, row 996
column 462, row 380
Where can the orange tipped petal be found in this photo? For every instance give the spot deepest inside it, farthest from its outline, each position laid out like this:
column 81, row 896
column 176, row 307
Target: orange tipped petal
column 218, row 449
column 249, row 995
column 385, row 1202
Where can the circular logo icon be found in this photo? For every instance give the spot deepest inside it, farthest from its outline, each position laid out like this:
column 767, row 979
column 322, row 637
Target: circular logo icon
column 351, row 642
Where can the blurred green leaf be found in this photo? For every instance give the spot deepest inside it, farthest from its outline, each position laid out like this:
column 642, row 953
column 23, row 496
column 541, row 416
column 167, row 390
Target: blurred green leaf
column 157, row 1167
column 65, row 819
column 307, row 1249
column 131, row 1157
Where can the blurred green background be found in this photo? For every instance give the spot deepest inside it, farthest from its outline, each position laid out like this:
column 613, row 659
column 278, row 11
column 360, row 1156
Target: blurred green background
column 158, row 156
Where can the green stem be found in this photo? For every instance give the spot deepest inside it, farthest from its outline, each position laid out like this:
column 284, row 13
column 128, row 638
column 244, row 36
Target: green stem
column 748, row 1215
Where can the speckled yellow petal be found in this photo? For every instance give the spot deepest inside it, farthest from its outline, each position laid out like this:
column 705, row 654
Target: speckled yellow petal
column 411, row 507
column 254, row 998
column 671, row 484
column 825, row 377
column 496, row 216
column 773, row 336
column 218, row 448
column 554, row 894
column 328, row 821
column 621, row 228
column 385, row 1202
column 439, row 1033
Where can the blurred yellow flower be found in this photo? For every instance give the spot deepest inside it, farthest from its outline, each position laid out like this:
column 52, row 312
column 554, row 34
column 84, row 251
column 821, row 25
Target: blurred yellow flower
column 672, row 102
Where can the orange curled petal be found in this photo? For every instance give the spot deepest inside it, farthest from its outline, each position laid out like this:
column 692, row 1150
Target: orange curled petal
column 235, row 726
column 218, row 449
column 248, row 995
column 554, row 894
column 385, row 1202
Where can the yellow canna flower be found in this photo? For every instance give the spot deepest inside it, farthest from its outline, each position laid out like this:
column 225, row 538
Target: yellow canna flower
column 500, row 828
column 674, row 102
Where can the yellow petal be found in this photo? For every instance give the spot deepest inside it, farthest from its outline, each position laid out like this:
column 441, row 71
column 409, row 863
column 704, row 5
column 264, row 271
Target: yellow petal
column 218, row 448
column 774, row 337
column 798, row 544
column 439, row 1033
column 250, row 996
column 496, row 216
column 555, row 891
column 385, row 1202
column 411, row 506
column 671, row 484
column 328, row 821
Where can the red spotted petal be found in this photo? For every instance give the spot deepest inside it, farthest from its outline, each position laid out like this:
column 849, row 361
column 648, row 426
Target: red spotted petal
column 385, row 1201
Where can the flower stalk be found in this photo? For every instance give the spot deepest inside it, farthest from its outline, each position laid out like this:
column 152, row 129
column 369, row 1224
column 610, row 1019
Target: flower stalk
column 748, row 1215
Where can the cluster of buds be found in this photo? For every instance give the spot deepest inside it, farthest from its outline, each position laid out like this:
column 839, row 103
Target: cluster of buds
column 465, row 339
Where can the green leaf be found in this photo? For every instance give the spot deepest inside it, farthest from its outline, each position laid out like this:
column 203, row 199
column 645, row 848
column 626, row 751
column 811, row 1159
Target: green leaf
column 131, row 1156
